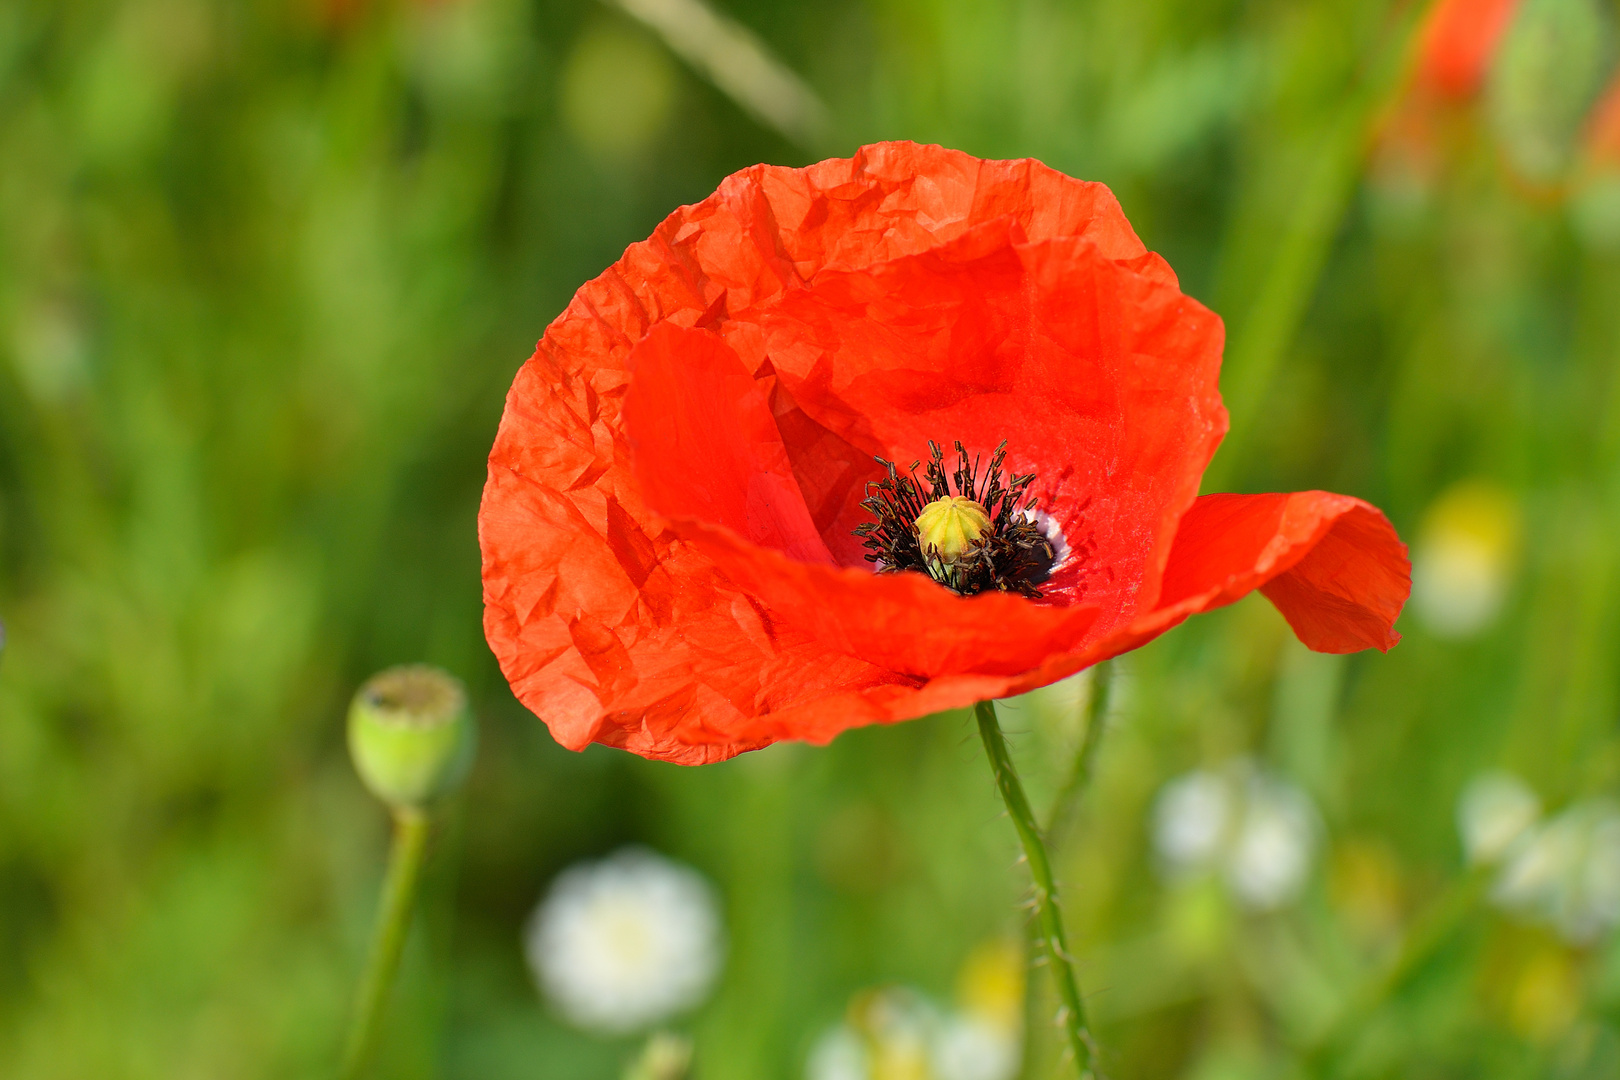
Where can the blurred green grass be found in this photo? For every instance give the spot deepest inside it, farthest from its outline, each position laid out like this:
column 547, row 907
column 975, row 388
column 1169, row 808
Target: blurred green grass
column 266, row 271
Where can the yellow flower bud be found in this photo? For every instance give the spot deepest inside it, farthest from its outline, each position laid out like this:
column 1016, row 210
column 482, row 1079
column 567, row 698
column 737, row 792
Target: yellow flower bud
column 947, row 527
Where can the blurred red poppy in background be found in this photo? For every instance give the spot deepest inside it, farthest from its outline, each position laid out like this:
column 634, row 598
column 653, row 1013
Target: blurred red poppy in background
column 1603, row 127
column 1457, row 42
column 1459, row 39
column 670, row 561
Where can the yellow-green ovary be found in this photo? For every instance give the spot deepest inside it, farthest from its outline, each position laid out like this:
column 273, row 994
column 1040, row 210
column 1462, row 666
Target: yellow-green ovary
column 947, row 527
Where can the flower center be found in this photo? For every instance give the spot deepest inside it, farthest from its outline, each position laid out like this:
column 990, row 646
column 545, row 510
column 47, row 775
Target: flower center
column 948, row 528
column 972, row 540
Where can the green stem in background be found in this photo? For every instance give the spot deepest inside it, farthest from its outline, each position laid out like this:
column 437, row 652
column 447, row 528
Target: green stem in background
column 1047, row 913
column 1428, row 935
column 1061, row 815
column 1294, row 268
column 388, row 941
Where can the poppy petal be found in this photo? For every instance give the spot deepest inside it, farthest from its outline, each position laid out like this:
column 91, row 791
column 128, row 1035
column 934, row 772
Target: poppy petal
column 607, row 626
column 706, row 444
column 1099, row 373
column 1332, row 564
column 904, row 622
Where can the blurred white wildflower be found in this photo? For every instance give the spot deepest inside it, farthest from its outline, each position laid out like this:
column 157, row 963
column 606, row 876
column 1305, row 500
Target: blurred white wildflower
column 839, row 1054
column 1272, row 856
column 1463, row 558
column 984, row 1038
column 971, row 1048
column 1566, row 872
column 887, row 1036
column 1190, row 820
column 1496, row 809
column 898, row 1034
column 1257, row 831
column 625, row 942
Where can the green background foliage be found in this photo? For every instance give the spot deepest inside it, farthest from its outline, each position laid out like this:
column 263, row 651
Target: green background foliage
column 266, row 270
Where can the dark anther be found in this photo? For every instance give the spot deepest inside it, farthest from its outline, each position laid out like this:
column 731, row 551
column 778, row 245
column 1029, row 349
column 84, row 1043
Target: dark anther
column 991, row 542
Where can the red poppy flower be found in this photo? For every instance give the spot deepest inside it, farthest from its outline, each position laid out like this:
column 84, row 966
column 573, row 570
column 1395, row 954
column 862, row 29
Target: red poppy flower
column 1603, row 127
column 668, row 530
column 1458, row 43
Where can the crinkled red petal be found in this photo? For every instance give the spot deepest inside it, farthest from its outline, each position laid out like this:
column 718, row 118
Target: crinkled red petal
column 1332, row 564
column 1099, row 374
column 706, row 444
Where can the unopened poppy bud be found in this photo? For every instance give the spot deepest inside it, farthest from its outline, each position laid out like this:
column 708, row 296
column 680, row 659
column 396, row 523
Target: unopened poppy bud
column 947, row 527
column 1550, row 66
column 665, row 1057
column 411, row 736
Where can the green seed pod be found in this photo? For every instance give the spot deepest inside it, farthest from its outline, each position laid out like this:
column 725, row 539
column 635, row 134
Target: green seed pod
column 1551, row 65
column 411, row 736
column 665, row 1057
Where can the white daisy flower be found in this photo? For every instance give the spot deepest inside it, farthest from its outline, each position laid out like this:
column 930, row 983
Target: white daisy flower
column 1257, row 831
column 1566, row 872
column 896, row 1033
column 969, row 1047
column 888, row 1035
column 625, row 942
column 983, row 1039
column 1190, row 821
column 1270, row 857
column 839, row 1054
column 1495, row 810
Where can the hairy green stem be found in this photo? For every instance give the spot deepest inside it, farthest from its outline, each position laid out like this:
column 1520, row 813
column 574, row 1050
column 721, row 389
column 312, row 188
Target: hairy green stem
column 1048, row 916
column 1061, row 816
column 388, row 940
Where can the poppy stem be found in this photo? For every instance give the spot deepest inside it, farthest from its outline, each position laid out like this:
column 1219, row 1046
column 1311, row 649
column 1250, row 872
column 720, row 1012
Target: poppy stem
column 1049, row 918
column 405, row 859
